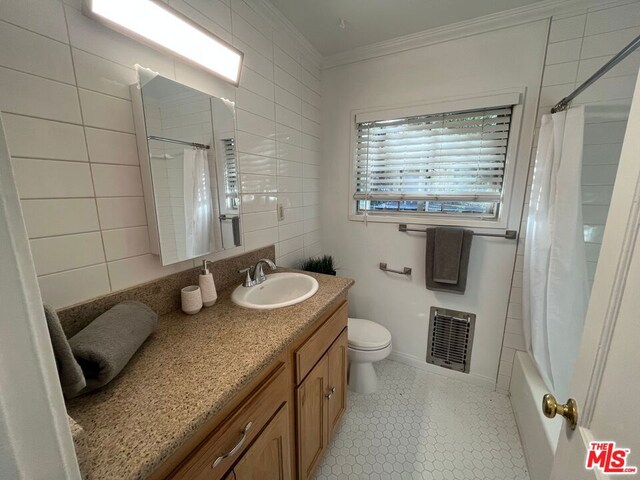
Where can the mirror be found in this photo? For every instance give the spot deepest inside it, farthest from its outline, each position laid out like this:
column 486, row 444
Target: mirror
column 187, row 146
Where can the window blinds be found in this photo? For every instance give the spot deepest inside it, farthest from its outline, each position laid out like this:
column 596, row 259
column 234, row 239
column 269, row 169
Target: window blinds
column 230, row 172
column 451, row 157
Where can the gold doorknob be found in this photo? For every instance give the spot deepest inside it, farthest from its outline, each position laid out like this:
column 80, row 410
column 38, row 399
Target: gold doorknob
column 550, row 407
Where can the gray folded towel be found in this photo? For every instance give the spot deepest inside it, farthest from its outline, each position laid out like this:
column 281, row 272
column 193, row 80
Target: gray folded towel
column 449, row 260
column 104, row 347
column 71, row 377
column 446, row 255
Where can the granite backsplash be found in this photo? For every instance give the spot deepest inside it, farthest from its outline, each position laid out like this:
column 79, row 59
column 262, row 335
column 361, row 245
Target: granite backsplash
column 163, row 294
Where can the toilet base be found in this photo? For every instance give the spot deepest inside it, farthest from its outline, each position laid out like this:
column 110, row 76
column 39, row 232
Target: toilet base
column 362, row 377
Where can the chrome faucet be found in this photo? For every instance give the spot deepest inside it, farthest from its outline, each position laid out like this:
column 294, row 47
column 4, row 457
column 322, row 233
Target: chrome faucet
column 258, row 274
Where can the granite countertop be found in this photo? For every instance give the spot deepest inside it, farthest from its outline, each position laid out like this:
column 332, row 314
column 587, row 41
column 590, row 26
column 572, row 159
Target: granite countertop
column 79, row 438
column 182, row 376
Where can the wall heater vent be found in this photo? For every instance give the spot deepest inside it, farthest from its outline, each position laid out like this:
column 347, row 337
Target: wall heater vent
column 450, row 338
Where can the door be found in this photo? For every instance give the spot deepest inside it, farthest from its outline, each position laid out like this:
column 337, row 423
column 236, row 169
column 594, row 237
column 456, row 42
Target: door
column 337, row 384
column 606, row 384
column 312, row 417
column 269, row 456
column 35, row 441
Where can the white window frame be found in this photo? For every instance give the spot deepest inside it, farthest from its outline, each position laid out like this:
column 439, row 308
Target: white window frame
column 513, row 96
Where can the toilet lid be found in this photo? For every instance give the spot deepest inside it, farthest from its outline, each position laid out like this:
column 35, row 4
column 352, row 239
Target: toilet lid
column 367, row 335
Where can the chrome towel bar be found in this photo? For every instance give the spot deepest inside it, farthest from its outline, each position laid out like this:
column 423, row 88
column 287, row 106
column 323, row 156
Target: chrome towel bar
column 404, row 271
column 509, row 234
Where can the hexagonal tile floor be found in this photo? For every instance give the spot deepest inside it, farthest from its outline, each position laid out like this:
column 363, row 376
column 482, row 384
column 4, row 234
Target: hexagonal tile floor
column 425, row 426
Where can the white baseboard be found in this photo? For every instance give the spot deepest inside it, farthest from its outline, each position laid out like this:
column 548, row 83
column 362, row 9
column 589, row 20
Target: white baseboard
column 419, row 363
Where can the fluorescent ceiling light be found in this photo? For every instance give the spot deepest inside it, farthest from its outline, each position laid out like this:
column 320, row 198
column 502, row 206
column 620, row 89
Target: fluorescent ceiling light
column 161, row 25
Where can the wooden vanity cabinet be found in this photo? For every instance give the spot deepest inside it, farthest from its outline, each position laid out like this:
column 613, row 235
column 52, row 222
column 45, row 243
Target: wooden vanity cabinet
column 321, row 396
column 337, row 379
column 280, row 424
column 240, row 431
column 311, row 418
column 269, row 458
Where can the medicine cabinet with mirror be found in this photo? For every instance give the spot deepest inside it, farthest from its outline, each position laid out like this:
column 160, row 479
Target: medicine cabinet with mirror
column 187, row 146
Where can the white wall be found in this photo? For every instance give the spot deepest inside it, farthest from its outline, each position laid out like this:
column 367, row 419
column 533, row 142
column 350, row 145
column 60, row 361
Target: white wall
column 507, row 58
column 65, row 103
column 579, row 44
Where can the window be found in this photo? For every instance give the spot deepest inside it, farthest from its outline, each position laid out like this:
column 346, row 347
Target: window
column 447, row 164
column 230, row 173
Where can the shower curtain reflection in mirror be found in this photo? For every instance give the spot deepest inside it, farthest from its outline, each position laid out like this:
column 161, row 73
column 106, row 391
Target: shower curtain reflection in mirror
column 199, row 207
column 556, row 291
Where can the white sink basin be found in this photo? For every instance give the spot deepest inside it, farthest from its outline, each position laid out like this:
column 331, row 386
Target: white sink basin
column 278, row 290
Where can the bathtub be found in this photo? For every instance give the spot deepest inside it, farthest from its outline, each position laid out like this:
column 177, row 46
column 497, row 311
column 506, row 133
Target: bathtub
column 539, row 434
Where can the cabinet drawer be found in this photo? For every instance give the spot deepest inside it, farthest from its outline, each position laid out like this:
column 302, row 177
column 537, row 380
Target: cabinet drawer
column 313, row 349
column 269, row 457
column 225, row 445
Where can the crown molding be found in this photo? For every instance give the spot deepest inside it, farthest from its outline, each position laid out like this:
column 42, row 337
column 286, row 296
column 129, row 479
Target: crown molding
column 508, row 18
column 278, row 19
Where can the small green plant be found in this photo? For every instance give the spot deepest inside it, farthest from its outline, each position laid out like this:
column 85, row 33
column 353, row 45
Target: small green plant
column 322, row 264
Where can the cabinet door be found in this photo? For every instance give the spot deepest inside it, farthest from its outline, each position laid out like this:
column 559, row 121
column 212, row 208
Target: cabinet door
column 312, row 418
column 269, row 458
column 337, row 382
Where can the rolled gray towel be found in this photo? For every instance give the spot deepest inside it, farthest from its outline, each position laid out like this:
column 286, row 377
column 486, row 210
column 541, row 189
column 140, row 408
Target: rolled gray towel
column 104, row 347
column 71, row 377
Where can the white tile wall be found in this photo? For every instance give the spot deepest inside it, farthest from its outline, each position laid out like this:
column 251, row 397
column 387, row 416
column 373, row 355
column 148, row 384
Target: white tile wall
column 37, row 138
column 106, row 146
column 52, row 179
column 126, row 242
column 29, row 95
column 56, row 254
column 51, row 217
column 66, row 110
column 578, row 46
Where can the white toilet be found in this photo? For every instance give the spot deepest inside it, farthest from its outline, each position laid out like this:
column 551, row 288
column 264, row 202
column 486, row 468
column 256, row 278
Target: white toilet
column 368, row 342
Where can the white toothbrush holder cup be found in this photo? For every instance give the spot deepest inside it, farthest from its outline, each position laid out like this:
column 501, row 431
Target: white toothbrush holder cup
column 191, row 299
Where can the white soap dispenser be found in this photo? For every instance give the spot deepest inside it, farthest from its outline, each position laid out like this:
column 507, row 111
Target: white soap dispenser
column 207, row 286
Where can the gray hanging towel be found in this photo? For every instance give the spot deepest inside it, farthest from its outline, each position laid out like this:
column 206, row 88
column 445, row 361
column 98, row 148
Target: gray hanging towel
column 451, row 256
column 106, row 345
column 71, row 377
column 447, row 251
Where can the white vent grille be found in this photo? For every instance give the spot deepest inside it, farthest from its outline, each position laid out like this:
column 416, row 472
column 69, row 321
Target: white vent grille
column 450, row 339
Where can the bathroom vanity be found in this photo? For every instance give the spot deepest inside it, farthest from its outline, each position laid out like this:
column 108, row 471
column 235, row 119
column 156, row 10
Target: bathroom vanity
column 304, row 388
column 229, row 393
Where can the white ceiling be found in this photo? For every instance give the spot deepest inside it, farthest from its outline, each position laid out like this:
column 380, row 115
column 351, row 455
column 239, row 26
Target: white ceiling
column 372, row 21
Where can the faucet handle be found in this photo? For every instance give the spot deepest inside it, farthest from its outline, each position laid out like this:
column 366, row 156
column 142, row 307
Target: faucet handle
column 248, row 282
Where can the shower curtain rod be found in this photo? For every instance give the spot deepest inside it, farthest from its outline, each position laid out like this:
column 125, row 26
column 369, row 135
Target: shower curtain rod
column 621, row 55
column 179, row 142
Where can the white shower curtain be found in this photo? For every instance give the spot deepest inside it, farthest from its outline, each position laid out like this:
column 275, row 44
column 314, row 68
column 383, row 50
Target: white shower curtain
column 556, row 294
column 198, row 205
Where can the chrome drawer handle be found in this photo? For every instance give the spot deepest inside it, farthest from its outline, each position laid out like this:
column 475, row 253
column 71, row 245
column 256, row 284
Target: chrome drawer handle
column 235, row 449
column 330, row 394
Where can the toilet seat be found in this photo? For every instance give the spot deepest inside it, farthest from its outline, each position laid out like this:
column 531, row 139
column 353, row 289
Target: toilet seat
column 365, row 335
